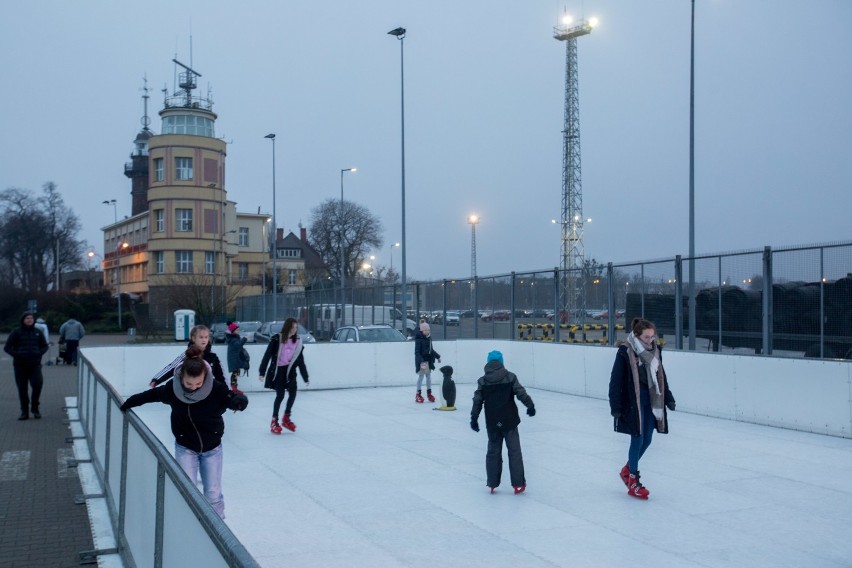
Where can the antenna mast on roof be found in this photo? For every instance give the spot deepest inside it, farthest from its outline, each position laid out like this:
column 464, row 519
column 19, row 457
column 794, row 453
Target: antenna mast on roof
column 145, row 120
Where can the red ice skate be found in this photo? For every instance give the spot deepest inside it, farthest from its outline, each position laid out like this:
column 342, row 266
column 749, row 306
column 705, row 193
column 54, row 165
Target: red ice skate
column 287, row 423
column 635, row 487
column 274, row 427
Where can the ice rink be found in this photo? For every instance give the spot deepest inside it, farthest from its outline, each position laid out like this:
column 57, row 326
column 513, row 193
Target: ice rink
column 372, row 479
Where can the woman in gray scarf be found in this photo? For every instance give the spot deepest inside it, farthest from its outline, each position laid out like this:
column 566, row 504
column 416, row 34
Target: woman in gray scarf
column 198, row 403
column 638, row 397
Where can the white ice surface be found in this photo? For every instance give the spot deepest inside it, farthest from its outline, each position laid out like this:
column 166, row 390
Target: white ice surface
column 372, row 479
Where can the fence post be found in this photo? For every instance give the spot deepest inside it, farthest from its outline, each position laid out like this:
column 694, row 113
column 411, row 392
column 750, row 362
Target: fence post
column 679, row 303
column 557, row 320
column 444, row 306
column 476, row 307
column 822, row 304
column 767, row 301
column 512, row 307
column 610, row 302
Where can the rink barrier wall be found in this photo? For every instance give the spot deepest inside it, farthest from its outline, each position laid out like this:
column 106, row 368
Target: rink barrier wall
column 810, row 395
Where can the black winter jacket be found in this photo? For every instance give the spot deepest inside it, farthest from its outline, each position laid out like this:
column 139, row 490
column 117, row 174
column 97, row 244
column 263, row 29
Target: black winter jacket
column 26, row 345
column 212, row 359
column 496, row 390
column 423, row 351
column 270, row 359
column 198, row 426
column 624, row 397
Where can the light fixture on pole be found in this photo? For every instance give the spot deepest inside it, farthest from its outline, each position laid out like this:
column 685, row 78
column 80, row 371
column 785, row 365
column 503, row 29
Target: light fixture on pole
column 691, row 300
column 121, row 246
column 114, row 208
column 399, row 33
column 274, row 237
column 341, row 228
column 393, row 246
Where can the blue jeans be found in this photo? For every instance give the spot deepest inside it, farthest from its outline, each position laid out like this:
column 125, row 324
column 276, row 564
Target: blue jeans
column 210, row 464
column 638, row 444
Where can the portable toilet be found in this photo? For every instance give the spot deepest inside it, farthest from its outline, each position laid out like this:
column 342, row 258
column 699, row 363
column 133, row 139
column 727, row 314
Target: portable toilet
column 184, row 322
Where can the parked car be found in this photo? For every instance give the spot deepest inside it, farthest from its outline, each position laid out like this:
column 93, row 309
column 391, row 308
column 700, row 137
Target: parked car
column 218, row 331
column 366, row 333
column 270, row 328
column 247, row 330
column 496, row 315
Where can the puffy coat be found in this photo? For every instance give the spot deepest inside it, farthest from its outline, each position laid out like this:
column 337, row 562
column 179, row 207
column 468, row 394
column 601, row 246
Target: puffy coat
column 269, row 363
column 496, row 390
column 236, row 361
column 198, row 426
column 423, row 351
column 624, row 397
column 26, row 345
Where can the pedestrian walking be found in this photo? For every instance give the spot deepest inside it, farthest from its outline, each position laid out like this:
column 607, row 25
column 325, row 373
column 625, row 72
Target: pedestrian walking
column 199, row 336
column 280, row 373
column 424, row 361
column 238, row 359
column 496, row 391
column 26, row 345
column 638, row 397
column 70, row 333
column 198, row 402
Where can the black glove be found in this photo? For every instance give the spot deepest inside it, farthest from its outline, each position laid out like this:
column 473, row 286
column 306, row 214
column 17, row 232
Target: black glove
column 670, row 404
column 615, row 413
column 124, row 407
column 474, row 424
column 239, row 402
column 531, row 411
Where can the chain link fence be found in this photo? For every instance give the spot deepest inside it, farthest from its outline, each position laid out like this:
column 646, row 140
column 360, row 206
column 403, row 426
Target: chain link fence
column 794, row 302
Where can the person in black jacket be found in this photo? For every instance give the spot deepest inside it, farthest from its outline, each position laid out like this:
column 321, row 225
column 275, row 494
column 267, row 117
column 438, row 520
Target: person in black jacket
column 496, row 390
column 237, row 355
column 26, row 345
column 280, row 373
column 424, row 361
column 199, row 336
column 198, row 403
column 638, row 397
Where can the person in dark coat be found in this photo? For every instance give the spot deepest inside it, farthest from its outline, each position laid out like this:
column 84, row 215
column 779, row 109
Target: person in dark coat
column 26, row 345
column 638, row 398
column 279, row 373
column 424, row 361
column 198, row 403
column 199, row 336
column 237, row 355
column 496, row 391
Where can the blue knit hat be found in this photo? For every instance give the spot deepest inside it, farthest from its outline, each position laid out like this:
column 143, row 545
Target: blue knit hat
column 495, row 356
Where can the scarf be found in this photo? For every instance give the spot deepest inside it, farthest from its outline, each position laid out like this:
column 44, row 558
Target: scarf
column 651, row 360
column 195, row 396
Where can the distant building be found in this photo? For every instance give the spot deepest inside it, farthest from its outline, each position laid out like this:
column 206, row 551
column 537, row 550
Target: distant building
column 184, row 232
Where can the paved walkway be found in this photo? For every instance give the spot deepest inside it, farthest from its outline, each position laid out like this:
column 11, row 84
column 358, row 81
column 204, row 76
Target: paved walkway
column 40, row 525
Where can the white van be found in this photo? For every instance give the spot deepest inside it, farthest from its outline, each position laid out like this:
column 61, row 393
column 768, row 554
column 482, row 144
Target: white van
column 323, row 319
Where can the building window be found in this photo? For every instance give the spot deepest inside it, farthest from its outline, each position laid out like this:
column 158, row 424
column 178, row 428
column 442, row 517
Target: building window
column 183, row 261
column 243, row 270
column 159, row 262
column 289, row 253
column 244, row 241
column 159, row 220
column 183, row 168
column 159, row 174
column 209, row 262
column 292, row 277
column 184, row 219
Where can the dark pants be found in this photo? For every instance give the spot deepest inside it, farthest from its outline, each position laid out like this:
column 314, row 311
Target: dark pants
column 28, row 375
column 282, row 386
column 494, row 457
column 71, row 351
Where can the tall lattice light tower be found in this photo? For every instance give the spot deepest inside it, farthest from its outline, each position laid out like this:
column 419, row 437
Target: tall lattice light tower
column 570, row 292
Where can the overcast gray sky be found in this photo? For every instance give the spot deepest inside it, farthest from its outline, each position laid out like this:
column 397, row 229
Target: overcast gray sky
column 484, row 86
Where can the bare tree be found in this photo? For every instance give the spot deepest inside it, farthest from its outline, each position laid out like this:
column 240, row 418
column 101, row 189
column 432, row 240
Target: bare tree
column 210, row 300
column 37, row 235
column 361, row 233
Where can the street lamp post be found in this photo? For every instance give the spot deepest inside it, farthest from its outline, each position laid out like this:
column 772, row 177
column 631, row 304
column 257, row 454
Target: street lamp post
column 342, row 250
column 274, row 237
column 473, row 220
column 399, row 33
column 395, row 245
column 120, row 247
column 114, row 208
column 692, row 181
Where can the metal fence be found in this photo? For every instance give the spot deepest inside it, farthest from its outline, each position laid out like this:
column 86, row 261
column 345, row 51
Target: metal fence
column 794, row 301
